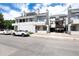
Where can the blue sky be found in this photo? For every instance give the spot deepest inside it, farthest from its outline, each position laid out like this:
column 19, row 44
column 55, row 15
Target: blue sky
column 14, row 6
column 12, row 10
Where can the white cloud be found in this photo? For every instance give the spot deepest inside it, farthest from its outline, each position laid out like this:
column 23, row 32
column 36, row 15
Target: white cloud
column 75, row 5
column 37, row 6
column 58, row 9
column 41, row 5
column 46, row 4
column 5, row 8
column 40, row 1
column 11, row 15
column 22, row 6
column 25, row 8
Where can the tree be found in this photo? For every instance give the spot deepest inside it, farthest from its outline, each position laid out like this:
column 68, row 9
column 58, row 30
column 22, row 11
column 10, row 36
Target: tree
column 1, row 21
column 1, row 18
column 8, row 24
column 5, row 24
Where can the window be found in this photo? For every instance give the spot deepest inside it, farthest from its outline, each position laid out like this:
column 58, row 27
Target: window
column 41, row 19
column 23, row 20
column 31, row 19
column 20, row 20
column 60, row 18
column 26, row 20
column 76, row 17
column 31, row 14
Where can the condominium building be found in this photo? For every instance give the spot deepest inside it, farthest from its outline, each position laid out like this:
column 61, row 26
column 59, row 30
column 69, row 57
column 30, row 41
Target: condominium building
column 37, row 22
column 33, row 22
column 58, row 22
column 42, row 22
column 75, row 19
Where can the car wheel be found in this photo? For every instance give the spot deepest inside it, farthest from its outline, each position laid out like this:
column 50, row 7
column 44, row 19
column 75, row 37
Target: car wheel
column 23, row 35
column 14, row 34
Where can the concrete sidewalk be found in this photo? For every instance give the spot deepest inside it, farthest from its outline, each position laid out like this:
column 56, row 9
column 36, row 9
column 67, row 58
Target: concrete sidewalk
column 62, row 36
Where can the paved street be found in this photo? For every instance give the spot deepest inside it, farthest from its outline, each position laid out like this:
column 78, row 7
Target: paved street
column 36, row 46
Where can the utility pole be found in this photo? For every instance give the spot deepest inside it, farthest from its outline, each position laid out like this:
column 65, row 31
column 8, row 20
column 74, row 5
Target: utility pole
column 69, row 20
column 47, row 21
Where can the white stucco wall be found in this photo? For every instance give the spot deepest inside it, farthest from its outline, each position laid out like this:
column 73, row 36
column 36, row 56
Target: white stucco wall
column 26, row 26
column 52, row 21
column 30, row 26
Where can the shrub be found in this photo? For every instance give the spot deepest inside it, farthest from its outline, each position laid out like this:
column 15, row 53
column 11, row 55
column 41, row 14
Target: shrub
column 30, row 32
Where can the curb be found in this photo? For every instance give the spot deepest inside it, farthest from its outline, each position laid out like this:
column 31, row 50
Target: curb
column 56, row 37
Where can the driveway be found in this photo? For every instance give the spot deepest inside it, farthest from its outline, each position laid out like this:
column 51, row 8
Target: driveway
column 37, row 46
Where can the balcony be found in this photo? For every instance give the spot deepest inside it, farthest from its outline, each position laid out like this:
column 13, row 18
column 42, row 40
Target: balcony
column 29, row 23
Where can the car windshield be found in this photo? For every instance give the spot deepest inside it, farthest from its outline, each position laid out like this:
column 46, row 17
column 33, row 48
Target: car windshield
column 7, row 30
column 26, row 31
column 20, row 30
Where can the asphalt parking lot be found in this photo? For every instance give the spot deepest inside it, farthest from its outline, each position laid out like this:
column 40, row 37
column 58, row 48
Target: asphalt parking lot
column 36, row 46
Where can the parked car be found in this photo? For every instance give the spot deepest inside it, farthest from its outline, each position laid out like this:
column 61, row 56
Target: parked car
column 7, row 32
column 21, row 33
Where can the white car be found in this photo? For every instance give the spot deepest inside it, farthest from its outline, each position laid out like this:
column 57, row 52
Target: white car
column 7, row 32
column 21, row 33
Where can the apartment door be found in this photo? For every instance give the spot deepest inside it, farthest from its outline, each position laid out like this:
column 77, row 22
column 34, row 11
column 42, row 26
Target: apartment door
column 40, row 28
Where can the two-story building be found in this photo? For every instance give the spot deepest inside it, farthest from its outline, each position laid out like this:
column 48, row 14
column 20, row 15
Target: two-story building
column 58, row 22
column 37, row 22
column 75, row 19
column 33, row 22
